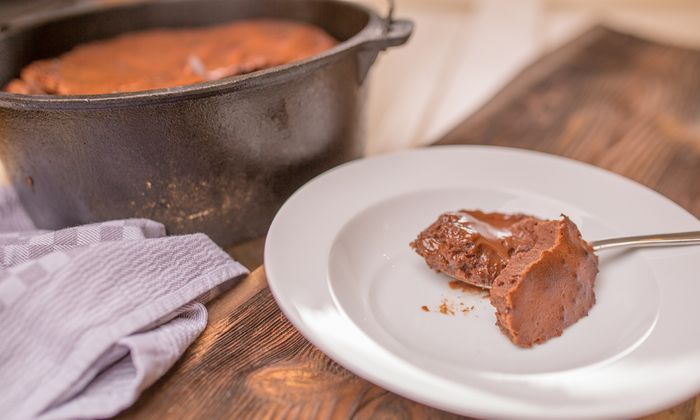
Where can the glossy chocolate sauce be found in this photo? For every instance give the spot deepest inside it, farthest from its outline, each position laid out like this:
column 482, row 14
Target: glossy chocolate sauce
column 471, row 245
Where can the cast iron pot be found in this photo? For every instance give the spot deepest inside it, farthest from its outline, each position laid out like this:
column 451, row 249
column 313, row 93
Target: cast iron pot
column 217, row 157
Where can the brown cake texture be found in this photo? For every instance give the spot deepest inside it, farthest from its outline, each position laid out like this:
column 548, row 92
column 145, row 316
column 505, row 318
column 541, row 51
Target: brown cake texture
column 470, row 245
column 541, row 273
column 162, row 58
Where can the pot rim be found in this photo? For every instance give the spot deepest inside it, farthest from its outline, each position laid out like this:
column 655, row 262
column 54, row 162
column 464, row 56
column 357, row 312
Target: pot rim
column 374, row 36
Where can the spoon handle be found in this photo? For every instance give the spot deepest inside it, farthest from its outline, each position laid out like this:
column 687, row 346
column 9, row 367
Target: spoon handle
column 680, row 238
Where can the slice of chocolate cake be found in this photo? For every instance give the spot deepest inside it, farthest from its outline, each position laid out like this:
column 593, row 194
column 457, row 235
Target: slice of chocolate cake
column 541, row 273
column 547, row 288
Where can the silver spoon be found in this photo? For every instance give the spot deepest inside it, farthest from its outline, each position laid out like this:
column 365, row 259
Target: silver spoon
column 665, row 239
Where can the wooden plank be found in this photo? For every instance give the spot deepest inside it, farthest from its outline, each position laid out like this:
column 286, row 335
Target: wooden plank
column 612, row 100
column 616, row 101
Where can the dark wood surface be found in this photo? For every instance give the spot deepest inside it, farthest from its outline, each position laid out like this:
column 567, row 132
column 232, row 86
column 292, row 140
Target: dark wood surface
column 619, row 102
column 616, row 101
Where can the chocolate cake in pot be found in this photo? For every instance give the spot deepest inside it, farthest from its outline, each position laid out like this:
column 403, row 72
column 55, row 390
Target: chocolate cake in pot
column 541, row 273
column 162, row 58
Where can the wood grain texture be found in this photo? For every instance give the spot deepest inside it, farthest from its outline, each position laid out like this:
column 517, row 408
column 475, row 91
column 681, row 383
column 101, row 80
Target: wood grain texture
column 613, row 100
column 608, row 99
column 250, row 362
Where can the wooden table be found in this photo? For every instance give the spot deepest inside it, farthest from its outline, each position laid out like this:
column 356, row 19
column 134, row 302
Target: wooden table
column 618, row 102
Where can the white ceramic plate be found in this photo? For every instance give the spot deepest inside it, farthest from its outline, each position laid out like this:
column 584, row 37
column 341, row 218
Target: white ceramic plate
column 338, row 263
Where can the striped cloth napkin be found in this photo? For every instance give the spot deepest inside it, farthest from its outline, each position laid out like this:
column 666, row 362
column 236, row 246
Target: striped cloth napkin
column 92, row 315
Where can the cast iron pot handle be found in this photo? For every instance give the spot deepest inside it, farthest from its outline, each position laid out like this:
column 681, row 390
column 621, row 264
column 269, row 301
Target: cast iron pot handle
column 390, row 34
column 395, row 32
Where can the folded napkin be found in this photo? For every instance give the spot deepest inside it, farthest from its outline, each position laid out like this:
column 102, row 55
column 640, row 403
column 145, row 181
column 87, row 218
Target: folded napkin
column 92, row 315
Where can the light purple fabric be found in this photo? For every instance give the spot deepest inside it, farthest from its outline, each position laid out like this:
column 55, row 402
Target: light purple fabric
column 92, row 315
